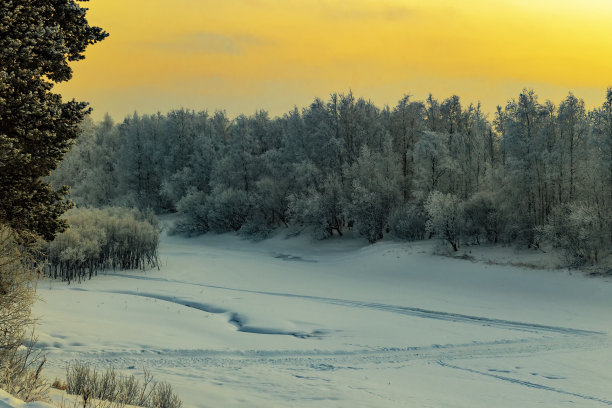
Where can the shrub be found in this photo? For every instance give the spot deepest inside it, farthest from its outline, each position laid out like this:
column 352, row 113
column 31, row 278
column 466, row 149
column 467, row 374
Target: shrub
column 256, row 230
column 86, row 381
column 228, row 209
column 59, row 384
column 193, row 211
column 408, row 222
column 164, row 397
column 20, row 367
column 100, row 239
column 576, row 229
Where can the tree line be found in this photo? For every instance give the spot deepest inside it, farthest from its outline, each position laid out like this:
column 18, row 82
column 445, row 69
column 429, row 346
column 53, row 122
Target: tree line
column 534, row 173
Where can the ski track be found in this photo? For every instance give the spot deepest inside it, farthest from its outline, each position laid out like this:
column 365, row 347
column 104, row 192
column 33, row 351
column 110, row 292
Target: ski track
column 526, row 383
column 329, row 360
column 405, row 310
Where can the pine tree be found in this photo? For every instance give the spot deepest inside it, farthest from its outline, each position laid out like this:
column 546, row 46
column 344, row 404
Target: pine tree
column 38, row 39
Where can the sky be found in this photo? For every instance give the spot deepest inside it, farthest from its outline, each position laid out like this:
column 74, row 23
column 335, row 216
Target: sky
column 246, row 55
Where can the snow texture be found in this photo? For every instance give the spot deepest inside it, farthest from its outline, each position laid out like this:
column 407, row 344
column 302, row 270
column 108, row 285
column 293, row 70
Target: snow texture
column 7, row 401
column 336, row 323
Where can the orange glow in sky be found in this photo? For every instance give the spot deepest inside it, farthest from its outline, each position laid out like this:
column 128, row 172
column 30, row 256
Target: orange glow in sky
column 245, row 55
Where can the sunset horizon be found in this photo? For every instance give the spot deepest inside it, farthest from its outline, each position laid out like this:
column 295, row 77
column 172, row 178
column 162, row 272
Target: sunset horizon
column 241, row 57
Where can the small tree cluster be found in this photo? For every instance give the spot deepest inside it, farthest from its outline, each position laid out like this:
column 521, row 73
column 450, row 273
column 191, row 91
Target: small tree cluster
column 110, row 386
column 103, row 238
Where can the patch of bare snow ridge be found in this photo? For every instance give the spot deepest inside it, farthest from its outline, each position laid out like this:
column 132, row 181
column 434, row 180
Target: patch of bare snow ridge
column 302, row 323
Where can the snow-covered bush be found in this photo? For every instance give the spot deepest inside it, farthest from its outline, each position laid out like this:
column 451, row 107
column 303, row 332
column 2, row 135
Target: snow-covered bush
column 320, row 211
column 103, row 238
column 575, row 228
column 164, row 397
column 408, row 222
column 444, row 212
column 228, row 209
column 193, row 212
column 256, row 230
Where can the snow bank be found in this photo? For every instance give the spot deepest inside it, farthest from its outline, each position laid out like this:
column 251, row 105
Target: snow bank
column 7, row 401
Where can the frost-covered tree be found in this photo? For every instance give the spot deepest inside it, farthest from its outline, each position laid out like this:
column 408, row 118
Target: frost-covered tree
column 444, row 217
column 525, row 179
column 573, row 129
column 433, row 115
column 376, row 180
column 601, row 146
column 38, row 39
column 407, row 125
column 482, row 218
column 433, row 163
column 91, row 167
column 139, row 177
column 322, row 209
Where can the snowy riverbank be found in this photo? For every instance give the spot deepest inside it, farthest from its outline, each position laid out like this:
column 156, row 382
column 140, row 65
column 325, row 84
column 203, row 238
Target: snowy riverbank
column 291, row 322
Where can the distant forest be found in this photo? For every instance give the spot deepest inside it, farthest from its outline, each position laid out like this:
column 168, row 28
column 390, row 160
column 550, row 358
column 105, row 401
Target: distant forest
column 534, row 173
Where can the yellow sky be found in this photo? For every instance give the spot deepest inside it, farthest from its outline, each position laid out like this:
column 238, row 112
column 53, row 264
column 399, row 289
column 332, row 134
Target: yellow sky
column 245, row 55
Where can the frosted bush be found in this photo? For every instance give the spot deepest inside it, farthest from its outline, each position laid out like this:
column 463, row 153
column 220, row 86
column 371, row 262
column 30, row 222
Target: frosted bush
column 103, row 238
column 110, row 386
column 408, row 222
column 228, row 209
column 576, row 229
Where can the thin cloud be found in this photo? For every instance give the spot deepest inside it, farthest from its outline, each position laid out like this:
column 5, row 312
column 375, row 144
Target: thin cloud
column 208, row 43
column 352, row 11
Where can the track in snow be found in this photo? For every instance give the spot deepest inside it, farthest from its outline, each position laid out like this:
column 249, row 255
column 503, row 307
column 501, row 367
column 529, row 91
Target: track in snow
column 404, row 310
column 526, row 383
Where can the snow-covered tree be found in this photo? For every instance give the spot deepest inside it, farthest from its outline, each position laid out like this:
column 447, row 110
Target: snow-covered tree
column 434, row 166
column 376, row 180
column 524, row 167
column 573, row 130
column 38, row 40
column 321, row 210
column 444, row 217
column 407, row 125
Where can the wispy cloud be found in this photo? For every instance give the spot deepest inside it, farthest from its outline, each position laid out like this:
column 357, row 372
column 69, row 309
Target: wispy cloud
column 360, row 11
column 207, row 43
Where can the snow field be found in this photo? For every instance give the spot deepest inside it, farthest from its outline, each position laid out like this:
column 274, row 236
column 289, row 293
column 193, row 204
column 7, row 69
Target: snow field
column 290, row 322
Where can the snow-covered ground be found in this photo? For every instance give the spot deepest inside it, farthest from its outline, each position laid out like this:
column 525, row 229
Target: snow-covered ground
column 338, row 323
column 7, row 401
